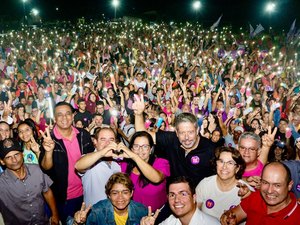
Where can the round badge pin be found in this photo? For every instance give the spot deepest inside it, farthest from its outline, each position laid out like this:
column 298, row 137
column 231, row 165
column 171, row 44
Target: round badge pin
column 209, row 203
column 298, row 187
column 195, row 160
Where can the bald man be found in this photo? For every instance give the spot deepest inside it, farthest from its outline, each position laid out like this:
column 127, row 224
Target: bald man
column 273, row 204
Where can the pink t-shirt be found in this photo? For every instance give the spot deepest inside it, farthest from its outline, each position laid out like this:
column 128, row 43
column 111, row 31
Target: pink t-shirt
column 153, row 195
column 256, row 171
column 74, row 189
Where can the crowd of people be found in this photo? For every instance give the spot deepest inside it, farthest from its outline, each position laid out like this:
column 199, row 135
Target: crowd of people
column 115, row 117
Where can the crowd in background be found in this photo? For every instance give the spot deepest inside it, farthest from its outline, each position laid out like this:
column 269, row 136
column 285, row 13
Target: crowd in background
column 233, row 83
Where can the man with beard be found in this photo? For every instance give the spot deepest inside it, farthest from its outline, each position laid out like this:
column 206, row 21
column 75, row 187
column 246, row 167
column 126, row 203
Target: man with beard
column 188, row 153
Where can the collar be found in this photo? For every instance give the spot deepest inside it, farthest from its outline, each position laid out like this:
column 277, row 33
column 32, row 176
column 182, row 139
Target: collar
column 9, row 174
column 59, row 136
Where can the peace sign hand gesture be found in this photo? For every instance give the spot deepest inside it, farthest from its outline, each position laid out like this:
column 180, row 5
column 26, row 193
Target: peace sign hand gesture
column 34, row 146
column 268, row 139
column 150, row 219
column 48, row 143
column 80, row 216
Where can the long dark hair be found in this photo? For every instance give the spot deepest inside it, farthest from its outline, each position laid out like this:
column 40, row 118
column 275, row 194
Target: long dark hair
column 143, row 181
column 29, row 122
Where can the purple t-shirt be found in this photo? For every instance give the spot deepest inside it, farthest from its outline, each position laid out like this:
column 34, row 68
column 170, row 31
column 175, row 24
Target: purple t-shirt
column 153, row 195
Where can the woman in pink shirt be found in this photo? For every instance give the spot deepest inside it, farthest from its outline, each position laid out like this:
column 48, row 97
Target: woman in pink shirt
column 147, row 172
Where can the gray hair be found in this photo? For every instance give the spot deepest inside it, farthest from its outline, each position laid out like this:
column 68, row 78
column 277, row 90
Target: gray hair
column 252, row 136
column 186, row 117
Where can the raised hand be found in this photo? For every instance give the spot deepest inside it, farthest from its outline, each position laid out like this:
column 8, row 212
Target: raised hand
column 268, row 139
column 34, row 146
column 48, row 143
column 126, row 152
column 107, row 151
column 150, row 219
column 80, row 216
column 139, row 105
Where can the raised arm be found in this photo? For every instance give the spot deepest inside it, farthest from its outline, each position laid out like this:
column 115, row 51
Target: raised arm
column 152, row 174
column 88, row 160
column 46, row 157
column 139, row 106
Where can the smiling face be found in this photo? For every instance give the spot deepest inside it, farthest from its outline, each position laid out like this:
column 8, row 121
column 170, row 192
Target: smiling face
column 141, row 147
column 25, row 132
column 64, row 117
column 275, row 187
column 104, row 138
column 4, row 131
column 187, row 135
column 249, row 149
column 226, row 168
column 182, row 202
column 120, row 197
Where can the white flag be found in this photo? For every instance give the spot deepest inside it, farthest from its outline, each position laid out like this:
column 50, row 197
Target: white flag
column 291, row 32
column 216, row 24
column 251, row 30
column 259, row 28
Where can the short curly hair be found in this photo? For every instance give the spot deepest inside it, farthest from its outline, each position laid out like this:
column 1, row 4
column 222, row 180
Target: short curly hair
column 118, row 178
column 236, row 156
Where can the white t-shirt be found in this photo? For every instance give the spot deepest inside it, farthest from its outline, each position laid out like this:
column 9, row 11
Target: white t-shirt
column 94, row 181
column 199, row 218
column 214, row 201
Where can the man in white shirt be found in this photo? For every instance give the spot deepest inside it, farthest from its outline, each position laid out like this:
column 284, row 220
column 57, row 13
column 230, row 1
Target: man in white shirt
column 98, row 166
column 182, row 201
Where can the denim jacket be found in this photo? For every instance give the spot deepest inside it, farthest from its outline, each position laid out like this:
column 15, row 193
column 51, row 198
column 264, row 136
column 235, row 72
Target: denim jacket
column 102, row 213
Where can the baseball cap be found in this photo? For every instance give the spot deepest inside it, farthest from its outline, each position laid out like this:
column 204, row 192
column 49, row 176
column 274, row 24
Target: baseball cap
column 9, row 145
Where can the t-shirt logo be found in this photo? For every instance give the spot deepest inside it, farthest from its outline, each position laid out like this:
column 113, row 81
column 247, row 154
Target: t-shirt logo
column 298, row 187
column 209, row 203
column 231, row 207
column 195, row 160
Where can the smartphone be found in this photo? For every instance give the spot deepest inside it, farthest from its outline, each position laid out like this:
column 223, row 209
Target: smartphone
column 159, row 122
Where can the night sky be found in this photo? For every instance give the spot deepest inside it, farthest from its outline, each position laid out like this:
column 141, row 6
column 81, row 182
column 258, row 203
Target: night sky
column 236, row 12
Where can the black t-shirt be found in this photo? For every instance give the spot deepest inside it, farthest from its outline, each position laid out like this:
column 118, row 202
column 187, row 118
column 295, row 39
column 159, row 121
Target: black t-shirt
column 86, row 118
column 196, row 164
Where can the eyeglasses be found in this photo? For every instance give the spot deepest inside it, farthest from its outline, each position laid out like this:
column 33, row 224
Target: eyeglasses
column 229, row 164
column 123, row 192
column 242, row 148
column 138, row 147
column 181, row 194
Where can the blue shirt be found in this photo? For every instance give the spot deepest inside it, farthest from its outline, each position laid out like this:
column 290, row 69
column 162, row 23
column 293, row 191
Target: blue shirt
column 102, row 213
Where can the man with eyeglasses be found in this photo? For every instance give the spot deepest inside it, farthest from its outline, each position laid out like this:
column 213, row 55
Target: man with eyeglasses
column 63, row 147
column 254, row 151
column 182, row 200
column 97, row 167
column 188, row 153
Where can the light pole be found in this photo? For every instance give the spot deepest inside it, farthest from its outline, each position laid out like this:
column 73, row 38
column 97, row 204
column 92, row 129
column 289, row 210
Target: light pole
column 115, row 4
column 24, row 10
column 270, row 8
column 35, row 12
column 196, row 7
